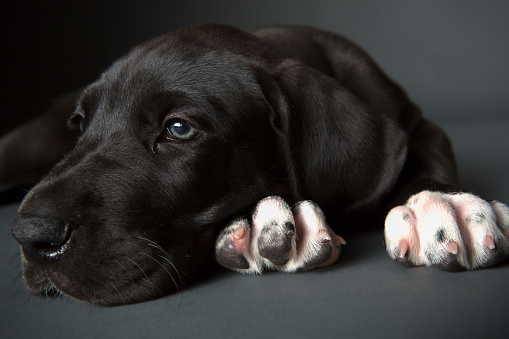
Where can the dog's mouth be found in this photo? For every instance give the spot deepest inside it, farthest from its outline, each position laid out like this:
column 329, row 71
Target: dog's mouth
column 54, row 284
column 104, row 280
column 44, row 286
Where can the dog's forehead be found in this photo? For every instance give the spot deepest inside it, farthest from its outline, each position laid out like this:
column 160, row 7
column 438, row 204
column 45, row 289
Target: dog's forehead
column 175, row 63
column 195, row 58
column 218, row 79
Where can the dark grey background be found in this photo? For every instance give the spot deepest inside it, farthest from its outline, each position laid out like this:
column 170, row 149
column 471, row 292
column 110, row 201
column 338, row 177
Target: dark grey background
column 451, row 56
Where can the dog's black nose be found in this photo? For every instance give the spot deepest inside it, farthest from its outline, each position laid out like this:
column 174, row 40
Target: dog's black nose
column 41, row 238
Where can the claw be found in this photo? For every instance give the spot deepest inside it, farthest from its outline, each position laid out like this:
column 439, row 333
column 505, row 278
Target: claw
column 452, row 247
column 403, row 248
column 488, row 242
column 239, row 233
column 338, row 240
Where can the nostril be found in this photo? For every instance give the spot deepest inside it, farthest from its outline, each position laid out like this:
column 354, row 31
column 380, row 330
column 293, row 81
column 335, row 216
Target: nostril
column 41, row 238
column 57, row 240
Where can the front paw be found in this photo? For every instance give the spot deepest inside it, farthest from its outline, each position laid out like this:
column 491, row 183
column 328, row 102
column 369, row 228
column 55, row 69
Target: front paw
column 279, row 238
column 450, row 231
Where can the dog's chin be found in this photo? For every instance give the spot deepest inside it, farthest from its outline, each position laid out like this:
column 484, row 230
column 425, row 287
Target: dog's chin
column 50, row 283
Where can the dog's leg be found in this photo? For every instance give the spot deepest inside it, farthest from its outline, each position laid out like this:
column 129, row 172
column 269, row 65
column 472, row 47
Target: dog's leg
column 436, row 223
column 279, row 238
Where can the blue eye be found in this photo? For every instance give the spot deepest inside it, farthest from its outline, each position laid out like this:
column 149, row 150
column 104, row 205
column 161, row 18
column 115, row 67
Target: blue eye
column 181, row 130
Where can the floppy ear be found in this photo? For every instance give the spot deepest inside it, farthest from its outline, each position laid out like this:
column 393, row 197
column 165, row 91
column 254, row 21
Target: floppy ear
column 338, row 149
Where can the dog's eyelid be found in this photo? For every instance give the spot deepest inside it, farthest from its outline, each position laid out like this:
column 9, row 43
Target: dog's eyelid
column 180, row 114
column 189, row 115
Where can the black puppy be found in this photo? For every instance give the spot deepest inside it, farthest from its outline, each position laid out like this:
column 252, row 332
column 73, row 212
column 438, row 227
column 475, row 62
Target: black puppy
column 190, row 133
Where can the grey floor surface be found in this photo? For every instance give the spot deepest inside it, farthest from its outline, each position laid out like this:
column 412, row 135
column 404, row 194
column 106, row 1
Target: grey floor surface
column 365, row 295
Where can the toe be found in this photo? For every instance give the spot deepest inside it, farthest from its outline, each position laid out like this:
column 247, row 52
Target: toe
column 232, row 246
column 229, row 257
column 336, row 251
column 449, row 263
column 327, row 250
column 276, row 245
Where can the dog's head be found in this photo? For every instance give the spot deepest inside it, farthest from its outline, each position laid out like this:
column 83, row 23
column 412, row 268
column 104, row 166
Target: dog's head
column 180, row 135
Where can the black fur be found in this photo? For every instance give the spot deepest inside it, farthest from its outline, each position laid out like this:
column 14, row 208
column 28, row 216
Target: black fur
column 288, row 111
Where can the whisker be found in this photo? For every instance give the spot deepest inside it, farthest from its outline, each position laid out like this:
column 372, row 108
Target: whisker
column 125, row 269
column 22, row 188
column 118, row 292
column 49, row 290
column 174, row 282
column 142, row 271
column 146, row 277
column 155, row 245
column 168, row 260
